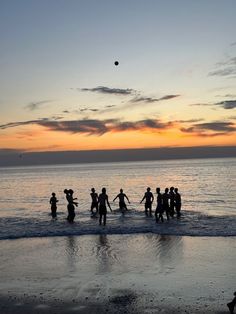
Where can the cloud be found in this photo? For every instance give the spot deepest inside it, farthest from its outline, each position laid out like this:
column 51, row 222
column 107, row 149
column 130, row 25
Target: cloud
column 151, row 100
column 88, row 109
column 227, row 104
column 223, row 72
column 226, row 95
column 225, row 68
column 211, row 128
column 95, row 126
column 108, row 90
column 86, row 126
column 146, row 124
column 188, row 121
column 35, row 105
column 15, row 124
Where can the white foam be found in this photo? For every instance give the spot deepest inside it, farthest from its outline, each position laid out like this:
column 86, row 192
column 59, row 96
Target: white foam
column 190, row 224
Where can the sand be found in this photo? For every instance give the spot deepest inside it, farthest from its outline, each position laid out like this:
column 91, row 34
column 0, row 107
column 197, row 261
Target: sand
column 117, row 274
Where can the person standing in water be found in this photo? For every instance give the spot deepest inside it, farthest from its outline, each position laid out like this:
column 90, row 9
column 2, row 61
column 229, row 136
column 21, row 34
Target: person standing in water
column 103, row 201
column 172, row 202
column 94, row 204
column 53, row 201
column 159, row 209
column 122, row 197
column 148, row 197
column 165, row 203
column 177, row 202
column 70, row 207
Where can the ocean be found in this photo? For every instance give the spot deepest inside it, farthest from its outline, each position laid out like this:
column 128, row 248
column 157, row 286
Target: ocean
column 207, row 187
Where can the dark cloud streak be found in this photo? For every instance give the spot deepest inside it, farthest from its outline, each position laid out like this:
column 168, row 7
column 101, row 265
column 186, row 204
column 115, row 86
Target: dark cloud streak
column 226, row 68
column 108, row 90
column 151, row 100
column 94, row 126
column 211, row 129
column 36, row 105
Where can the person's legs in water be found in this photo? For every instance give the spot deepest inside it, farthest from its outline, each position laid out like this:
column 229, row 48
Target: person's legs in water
column 167, row 213
column 156, row 215
column 150, row 210
column 104, row 219
column 178, row 207
column 100, row 219
column 146, row 209
column 161, row 217
column 171, row 210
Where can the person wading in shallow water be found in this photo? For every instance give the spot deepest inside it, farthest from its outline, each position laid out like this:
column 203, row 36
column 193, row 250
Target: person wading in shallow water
column 70, row 207
column 94, row 204
column 103, row 201
column 148, row 197
column 177, row 202
column 159, row 209
column 172, row 202
column 53, row 201
column 166, row 207
column 122, row 197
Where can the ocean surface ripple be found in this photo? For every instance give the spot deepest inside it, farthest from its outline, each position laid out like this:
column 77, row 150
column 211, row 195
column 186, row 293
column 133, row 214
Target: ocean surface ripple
column 190, row 224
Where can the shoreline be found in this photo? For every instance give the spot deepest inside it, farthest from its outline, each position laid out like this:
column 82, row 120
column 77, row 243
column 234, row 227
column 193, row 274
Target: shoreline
column 190, row 224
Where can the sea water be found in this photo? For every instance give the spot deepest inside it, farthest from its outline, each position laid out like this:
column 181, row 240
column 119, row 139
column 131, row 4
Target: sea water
column 207, row 187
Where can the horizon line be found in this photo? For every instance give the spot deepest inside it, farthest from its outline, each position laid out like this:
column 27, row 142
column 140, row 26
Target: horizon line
column 13, row 157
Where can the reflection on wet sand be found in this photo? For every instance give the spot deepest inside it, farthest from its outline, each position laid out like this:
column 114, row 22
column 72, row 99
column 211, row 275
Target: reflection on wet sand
column 72, row 252
column 103, row 254
column 169, row 250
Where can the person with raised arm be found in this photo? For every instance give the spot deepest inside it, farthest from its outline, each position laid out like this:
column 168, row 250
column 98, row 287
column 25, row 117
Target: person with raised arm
column 122, row 204
column 70, row 207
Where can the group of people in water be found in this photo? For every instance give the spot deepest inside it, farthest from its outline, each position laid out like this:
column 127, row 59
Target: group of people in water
column 168, row 203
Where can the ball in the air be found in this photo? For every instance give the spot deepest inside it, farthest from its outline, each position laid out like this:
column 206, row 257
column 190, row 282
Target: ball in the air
column 116, row 63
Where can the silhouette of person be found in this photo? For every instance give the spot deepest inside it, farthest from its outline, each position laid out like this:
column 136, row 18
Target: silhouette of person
column 94, row 204
column 172, row 202
column 70, row 207
column 159, row 208
column 177, row 202
column 122, row 197
column 53, row 201
column 166, row 208
column 103, row 201
column 231, row 304
column 148, row 197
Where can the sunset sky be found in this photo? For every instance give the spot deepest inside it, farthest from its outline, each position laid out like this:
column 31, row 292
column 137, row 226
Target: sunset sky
column 175, row 84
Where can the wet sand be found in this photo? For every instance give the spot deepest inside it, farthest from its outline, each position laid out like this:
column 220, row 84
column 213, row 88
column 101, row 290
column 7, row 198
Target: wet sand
column 117, row 274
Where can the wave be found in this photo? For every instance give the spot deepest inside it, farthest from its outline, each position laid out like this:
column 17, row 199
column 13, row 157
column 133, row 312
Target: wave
column 190, row 224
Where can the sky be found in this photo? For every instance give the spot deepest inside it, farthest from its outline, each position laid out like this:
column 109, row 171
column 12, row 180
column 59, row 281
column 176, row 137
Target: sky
column 175, row 85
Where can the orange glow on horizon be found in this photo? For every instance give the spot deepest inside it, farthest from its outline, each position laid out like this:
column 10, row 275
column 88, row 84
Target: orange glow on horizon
column 36, row 138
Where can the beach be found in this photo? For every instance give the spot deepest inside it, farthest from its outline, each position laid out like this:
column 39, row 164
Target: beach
column 133, row 264
column 117, row 274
